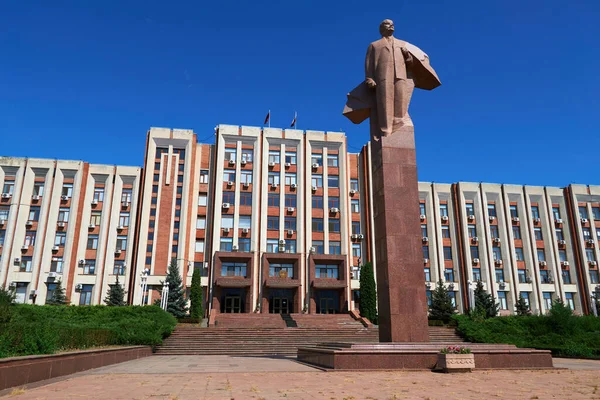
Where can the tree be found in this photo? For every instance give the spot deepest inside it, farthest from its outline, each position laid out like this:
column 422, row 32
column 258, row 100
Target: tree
column 59, row 298
column 522, row 308
column 196, row 301
column 368, row 293
column 441, row 304
column 7, row 299
column 485, row 304
column 176, row 303
column 115, row 296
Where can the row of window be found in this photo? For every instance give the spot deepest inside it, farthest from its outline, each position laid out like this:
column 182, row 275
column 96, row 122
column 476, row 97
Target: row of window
column 239, row 269
column 273, row 246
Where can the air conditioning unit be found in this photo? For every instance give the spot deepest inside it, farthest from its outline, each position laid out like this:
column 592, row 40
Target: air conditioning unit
column 334, row 210
column 593, row 263
column 312, row 250
column 451, row 286
column 471, row 217
column 361, row 236
column 271, row 164
column 33, row 292
column 78, row 287
column 590, row 241
column 290, row 209
column 226, row 205
column 562, row 242
column 584, row 220
column 29, row 223
column 351, row 275
column 25, row 248
column 492, row 218
column 498, row 262
column 64, row 197
column 565, row 263
column 234, row 248
column 55, row 248
column 230, row 183
column 287, row 165
column 422, row 217
column 475, row 239
column 94, row 202
column 476, row 261
column 92, row 226
column 293, row 186
column 245, row 230
column 51, row 275
column 35, row 197
column 496, row 240
column 226, row 230
column 2, row 221
column 243, row 162
column 315, row 166
column 120, row 227
column 17, row 261
column 558, row 221
column 352, row 192
column 6, row 195
column 426, row 261
column 125, row 204
column 536, row 220
column 425, row 239
column 502, row 284
column 528, row 279
column 245, row 185
column 445, row 218
column 550, row 279
column 273, row 185
column 427, row 284
column 515, row 219
column 60, row 224
column 231, row 162
column 282, row 241
column 290, row 232
column 281, row 249
column 81, row 262
column 314, row 188
column 118, row 252
column 543, row 263
column 354, row 236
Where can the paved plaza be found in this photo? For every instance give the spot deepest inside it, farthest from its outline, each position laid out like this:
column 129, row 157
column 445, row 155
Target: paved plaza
column 224, row 377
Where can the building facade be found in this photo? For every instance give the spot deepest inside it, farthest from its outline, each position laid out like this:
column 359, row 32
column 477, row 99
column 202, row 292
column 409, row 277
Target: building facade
column 279, row 221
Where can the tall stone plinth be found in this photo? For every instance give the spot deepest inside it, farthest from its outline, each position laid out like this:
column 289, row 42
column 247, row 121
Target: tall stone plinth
column 398, row 248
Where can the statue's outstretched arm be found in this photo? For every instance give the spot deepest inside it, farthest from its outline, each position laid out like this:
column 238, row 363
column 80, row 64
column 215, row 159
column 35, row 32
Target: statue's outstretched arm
column 370, row 67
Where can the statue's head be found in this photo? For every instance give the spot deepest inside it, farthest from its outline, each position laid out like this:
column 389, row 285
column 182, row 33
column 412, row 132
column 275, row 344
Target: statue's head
column 386, row 28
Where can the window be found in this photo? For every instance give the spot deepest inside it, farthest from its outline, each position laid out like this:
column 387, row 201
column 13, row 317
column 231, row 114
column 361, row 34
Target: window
column 56, row 265
column 354, row 184
column 447, row 253
column 126, row 195
column 119, row 268
column 317, row 180
column 50, row 291
column 227, row 221
column 356, row 250
column 92, row 242
column 290, row 179
column 587, row 233
column 422, row 208
column 428, row 294
column 596, row 213
column 317, row 158
column 452, row 296
column 289, row 223
column 4, row 213
column 38, row 189
column 326, row 271
column 273, row 200
column 545, row 276
column 63, row 215
column 60, row 238
column 233, row 269
column 569, row 300
column 229, row 197
column 538, row 233
column 476, row 274
column 274, row 156
column 202, row 200
column 245, row 221
column 494, row 232
column 98, row 194
column 273, row 178
column 281, row 270
column 516, row 232
column 226, row 244
column 334, row 225
column 245, row 199
column 594, row 276
column 124, row 219
column 317, row 224
column 562, row 255
column 318, row 246
column 590, row 255
column 559, row 234
column 556, row 212
column 566, row 276
column 200, row 223
column 67, row 190
column 244, row 244
column 334, row 202
column 423, row 230
column 499, row 275
column 272, row 245
column 535, row 212
column 34, row 214
column 519, row 254
column 332, row 160
column 449, row 275
column 95, row 218
column 29, row 238
column 229, row 175
column 497, row 253
column 230, row 154
column 541, row 254
column 525, row 296
column 502, row 300
column 2, row 237
column 446, row 231
column 25, row 264
column 290, row 246
column 89, row 268
column 273, row 222
column 335, row 247
column 317, row 202
column 247, row 155
column 203, row 176
column 425, row 251
column 290, row 157
column 443, row 210
column 470, row 209
column 583, row 212
column 355, row 227
column 514, row 213
column 474, row 252
column 85, row 298
column 492, row 210
column 199, row 246
column 522, row 275
column 427, row 274
column 333, row 181
column 246, row 177
column 472, row 231
column 122, row 243
column 290, row 200
column 547, row 300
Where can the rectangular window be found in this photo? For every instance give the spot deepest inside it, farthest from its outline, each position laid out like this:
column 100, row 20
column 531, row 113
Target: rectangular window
column 229, row 197
column 85, row 298
column 335, row 247
column 200, row 223
column 317, row 158
column 281, row 270
column 497, row 253
column 229, row 175
column 246, row 177
column 290, row 157
column 226, row 244
column 472, row 231
column 233, row 269
column 317, row 202
column 289, row 223
column 422, row 208
column 474, row 252
column 50, row 291
column 556, row 212
column 354, row 206
column 4, row 213
column 476, row 274
column 559, row 234
column 202, row 200
column 334, row 225
column 583, row 212
column 34, row 214
column 245, row 222
column 569, row 300
column 95, row 218
column 562, row 255
column 427, row 274
column 425, row 251
column 356, row 250
column 273, row 200
column 318, row 246
column 245, row 199
column 470, row 209
column 119, row 268
column 447, row 253
column 29, row 238
column 272, row 245
column 492, row 210
column 60, row 238
column 519, row 254
column 126, row 195
column 594, row 276
column 244, row 244
column 333, row 181
column 203, row 176
column 449, row 275
column 590, row 255
column 547, row 300
column 535, row 212
column 290, row 179
column 38, row 189
column 272, row 223
column 122, row 243
column 566, row 276
column 317, row 225
column 355, row 227
column 63, row 215
column 98, row 194
column 354, row 184
column 247, row 155
column 326, row 271
column 423, row 230
column 443, row 210
column 494, row 232
column 334, row 202
column 332, row 160
column 25, row 264
column 56, row 265
column 522, row 274
column 541, row 255
column 317, row 180
column 290, row 200
column 502, row 300
column 124, row 219
column 92, row 242
column 587, row 233
column 446, row 231
column 199, row 246
column 499, row 275
column 596, row 213
column 89, row 268
column 274, row 156
column 525, row 296
column 227, row 221
column 514, row 213
column 538, row 233
column 516, row 232
column 273, row 178
column 67, row 190
column 230, row 154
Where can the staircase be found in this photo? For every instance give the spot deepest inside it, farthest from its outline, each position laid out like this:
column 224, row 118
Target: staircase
column 276, row 341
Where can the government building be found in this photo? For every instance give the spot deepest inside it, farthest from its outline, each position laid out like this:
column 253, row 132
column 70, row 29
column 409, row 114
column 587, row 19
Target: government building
column 279, row 221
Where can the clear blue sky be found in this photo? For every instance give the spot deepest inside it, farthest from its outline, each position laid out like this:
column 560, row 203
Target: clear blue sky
column 519, row 101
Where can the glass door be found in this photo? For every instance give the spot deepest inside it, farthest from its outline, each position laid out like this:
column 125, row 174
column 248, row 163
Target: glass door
column 233, row 304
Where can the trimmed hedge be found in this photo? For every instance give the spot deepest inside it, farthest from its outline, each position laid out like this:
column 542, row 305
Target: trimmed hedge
column 567, row 336
column 48, row 329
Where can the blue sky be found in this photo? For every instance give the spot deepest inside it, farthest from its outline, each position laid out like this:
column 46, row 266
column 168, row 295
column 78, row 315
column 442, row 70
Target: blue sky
column 518, row 103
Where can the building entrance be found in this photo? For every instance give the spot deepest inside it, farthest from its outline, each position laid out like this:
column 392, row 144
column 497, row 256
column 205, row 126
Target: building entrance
column 328, row 302
column 281, row 301
column 233, row 300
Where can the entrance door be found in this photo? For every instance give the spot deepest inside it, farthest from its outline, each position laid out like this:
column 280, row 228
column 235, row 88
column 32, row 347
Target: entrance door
column 281, row 305
column 233, row 304
column 327, row 306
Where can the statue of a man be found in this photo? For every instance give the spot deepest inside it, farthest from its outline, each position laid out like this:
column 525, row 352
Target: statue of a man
column 392, row 70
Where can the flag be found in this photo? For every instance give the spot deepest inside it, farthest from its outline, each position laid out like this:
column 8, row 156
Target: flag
column 293, row 124
column 267, row 118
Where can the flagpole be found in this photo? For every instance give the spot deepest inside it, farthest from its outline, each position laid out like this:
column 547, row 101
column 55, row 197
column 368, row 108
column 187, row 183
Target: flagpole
column 269, row 118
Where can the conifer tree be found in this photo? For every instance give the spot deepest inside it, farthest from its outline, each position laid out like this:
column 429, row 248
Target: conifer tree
column 176, row 303
column 368, row 293
column 485, row 304
column 196, row 301
column 521, row 307
column 115, row 296
column 441, row 304
column 59, row 297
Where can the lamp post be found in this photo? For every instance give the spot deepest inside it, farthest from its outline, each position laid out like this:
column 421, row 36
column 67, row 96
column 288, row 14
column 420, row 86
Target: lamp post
column 596, row 300
column 471, row 295
column 164, row 299
column 144, row 285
